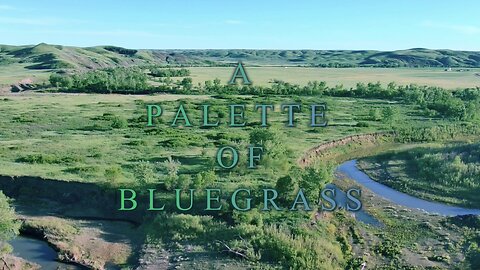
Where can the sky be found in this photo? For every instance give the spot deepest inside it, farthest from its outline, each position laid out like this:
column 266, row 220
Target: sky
column 246, row 24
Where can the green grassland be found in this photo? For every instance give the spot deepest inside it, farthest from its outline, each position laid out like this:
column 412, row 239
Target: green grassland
column 14, row 73
column 103, row 139
column 347, row 77
column 80, row 129
column 264, row 76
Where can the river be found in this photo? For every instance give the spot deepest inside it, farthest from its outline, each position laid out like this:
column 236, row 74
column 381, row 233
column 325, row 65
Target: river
column 350, row 169
column 361, row 215
column 38, row 252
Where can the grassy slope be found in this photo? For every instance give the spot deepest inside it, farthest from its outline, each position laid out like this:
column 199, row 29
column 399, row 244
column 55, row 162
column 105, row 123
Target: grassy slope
column 37, row 62
column 45, row 56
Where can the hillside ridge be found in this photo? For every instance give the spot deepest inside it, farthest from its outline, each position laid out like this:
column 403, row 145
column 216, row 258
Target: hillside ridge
column 47, row 56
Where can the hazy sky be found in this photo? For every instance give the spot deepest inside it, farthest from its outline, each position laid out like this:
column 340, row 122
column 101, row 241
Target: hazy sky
column 295, row 24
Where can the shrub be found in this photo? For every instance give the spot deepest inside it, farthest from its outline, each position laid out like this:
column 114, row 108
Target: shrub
column 40, row 159
column 113, row 174
column 299, row 252
column 388, row 248
column 144, row 172
column 286, row 186
column 8, row 225
column 362, row 124
column 182, row 227
column 119, row 122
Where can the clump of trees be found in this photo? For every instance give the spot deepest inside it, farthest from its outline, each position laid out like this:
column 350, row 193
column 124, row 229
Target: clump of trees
column 112, row 80
column 169, row 72
column 435, row 133
column 459, row 166
column 459, row 105
column 120, row 50
column 167, row 172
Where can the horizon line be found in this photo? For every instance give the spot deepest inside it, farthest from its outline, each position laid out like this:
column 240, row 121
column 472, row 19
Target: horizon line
column 254, row 49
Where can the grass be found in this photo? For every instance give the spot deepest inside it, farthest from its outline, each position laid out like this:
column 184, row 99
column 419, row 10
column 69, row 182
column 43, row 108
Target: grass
column 349, row 77
column 14, row 73
column 103, row 138
column 73, row 137
column 436, row 172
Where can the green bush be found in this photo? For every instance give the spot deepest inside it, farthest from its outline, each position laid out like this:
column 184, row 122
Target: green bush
column 204, row 179
column 145, row 173
column 113, row 174
column 119, row 122
column 388, row 248
column 8, row 224
column 183, row 227
column 362, row 124
column 278, row 244
column 40, row 159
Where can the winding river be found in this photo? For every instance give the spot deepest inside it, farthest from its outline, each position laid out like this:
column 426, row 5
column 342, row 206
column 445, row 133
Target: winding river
column 350, row 169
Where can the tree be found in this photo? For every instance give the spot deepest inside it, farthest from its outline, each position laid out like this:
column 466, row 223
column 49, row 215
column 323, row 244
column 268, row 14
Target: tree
column 286, row 186
column 184, row 181
column 8, row 224
column 314, row 179
column 260, row 137
column 204, row 179
column 144, row 172
column 171, row 166
column 389, row 115
column 374, row 114
column 58, row 80
column 186, row 84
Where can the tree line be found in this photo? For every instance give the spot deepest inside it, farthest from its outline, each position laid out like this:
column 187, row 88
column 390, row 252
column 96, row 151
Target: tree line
column 459, row 105
column 169, row 72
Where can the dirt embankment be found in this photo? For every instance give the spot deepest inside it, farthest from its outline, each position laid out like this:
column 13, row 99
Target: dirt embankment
column 14, row 263
column 90, row 244
column 318, row 150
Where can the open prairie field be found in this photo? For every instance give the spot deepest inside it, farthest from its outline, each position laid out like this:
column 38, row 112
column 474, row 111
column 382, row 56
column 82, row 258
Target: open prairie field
column 12, row 74
column 349, row 77
column 83, row 126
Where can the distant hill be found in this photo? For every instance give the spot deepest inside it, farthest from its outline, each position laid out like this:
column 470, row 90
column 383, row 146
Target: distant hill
column 45, row 56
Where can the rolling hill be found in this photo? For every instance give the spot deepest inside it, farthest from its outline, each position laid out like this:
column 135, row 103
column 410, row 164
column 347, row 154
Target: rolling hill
column 45, row 56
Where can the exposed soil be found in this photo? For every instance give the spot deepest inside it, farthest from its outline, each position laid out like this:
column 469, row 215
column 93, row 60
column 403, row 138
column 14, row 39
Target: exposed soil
column 317, row 151
column 14, row 263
